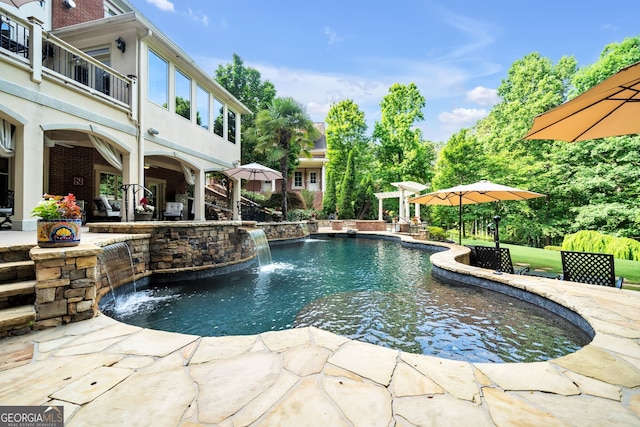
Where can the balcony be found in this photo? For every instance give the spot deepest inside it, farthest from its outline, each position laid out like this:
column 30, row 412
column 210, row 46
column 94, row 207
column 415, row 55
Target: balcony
column 61, row 60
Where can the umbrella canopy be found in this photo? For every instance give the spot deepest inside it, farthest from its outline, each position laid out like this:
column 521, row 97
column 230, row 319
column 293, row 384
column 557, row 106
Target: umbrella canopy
column 17, row 3
column 252, row 172
column 478, row 192
column 610, row 108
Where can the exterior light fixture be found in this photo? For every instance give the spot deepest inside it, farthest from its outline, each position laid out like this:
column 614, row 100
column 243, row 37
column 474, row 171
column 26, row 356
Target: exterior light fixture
column 69, row 4
column 120, row 44
column 153, row 131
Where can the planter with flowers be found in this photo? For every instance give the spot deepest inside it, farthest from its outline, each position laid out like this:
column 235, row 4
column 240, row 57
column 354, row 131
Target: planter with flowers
column 60, row 221
column 144, row 211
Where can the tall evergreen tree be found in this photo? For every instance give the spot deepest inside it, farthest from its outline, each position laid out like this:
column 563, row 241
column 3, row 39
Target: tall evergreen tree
column 346, row 200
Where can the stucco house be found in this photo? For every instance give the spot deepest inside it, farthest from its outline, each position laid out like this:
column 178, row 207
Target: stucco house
column 96, row 101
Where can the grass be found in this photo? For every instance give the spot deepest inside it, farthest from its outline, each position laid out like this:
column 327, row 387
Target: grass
column 546, row 260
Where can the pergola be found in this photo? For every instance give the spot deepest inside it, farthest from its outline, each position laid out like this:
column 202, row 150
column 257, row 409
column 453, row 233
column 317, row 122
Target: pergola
column 405, row 190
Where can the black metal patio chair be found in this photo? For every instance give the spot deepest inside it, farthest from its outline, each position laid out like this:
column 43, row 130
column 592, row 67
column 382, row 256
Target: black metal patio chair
column 589, row 267
column 485, row 257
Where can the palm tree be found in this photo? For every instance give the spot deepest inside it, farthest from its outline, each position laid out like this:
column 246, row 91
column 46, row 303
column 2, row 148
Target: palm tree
column 283, row 132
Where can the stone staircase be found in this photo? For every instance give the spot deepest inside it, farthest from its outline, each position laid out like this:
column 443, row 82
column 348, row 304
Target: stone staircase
column 17, row 290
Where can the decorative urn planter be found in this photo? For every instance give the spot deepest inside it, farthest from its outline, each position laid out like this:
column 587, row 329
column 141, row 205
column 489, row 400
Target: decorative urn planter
column 57, row 233
column 142, row 216
column 60, row 221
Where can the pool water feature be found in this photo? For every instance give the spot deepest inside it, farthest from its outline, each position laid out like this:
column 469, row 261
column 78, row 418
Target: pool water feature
column 263, row 251
column 370, row 290
column 118, row 265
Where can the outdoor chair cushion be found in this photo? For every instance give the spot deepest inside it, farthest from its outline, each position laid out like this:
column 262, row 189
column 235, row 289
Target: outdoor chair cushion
column 173, row 210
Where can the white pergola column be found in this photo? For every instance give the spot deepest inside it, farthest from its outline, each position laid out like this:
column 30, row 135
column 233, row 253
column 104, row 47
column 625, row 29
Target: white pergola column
column 380, row 217
column 401, row 206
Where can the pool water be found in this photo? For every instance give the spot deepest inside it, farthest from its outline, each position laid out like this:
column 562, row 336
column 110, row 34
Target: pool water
column 365, row 289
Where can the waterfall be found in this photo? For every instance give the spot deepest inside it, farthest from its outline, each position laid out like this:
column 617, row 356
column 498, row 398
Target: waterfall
column 305, row 229
column 262, row 246
column 118, row 265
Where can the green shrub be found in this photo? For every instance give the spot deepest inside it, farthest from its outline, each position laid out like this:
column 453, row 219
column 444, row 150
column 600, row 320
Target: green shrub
column 303, row 214
column 254, row 197
column 437, row 233
column 308, row 197
column 293, row 201
column 593, row 241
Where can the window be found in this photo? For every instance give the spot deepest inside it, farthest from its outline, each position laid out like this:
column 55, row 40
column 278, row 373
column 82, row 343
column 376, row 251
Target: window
column 110, row 185
column 102, row 78
column 183, row 95
column 202, row 107
column 158, row 80
column 313, row 177
column 231, row 126
column 218, row 112
column 297, row 179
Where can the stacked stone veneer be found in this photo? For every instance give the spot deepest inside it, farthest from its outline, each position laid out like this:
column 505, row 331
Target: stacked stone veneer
column 284, row 230
column 65, row 284
column 70, row 281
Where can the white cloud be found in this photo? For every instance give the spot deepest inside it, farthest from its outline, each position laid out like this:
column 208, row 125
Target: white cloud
column 198, row 17
column 483, row 96
column 333, row 35
column 165, row 5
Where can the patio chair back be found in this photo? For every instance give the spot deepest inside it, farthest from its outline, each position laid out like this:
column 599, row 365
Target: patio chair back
column 589, row 267
column 485, row 257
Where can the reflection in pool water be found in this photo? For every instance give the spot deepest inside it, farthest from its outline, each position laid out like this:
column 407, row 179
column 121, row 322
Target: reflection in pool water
column 369, row 290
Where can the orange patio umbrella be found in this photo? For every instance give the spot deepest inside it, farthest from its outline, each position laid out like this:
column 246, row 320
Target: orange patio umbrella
column 478, row 192
column 611, row 108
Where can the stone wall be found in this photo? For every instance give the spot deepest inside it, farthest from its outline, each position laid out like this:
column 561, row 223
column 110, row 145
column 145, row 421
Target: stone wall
column 65, row 284
column 70, row 281
column 178, row 248
column 284, row 230
column 372, row 225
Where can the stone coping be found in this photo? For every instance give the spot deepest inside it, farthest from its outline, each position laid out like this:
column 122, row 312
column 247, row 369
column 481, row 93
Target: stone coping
column 103, row 371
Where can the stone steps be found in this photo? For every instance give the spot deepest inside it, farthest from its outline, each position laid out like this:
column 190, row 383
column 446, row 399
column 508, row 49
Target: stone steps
column 17, row 297
column 26, row 287
column 14, row 320
column 17, row 271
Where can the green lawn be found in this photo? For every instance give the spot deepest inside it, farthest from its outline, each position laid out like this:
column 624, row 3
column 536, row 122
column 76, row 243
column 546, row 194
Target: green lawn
column 546, row 260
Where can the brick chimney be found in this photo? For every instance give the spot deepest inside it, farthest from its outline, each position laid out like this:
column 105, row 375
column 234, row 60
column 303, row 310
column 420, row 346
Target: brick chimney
column 62, row 15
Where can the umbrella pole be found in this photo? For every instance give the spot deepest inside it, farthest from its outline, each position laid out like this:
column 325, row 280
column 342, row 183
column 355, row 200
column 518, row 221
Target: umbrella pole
column 496, row 238
column 460, row 223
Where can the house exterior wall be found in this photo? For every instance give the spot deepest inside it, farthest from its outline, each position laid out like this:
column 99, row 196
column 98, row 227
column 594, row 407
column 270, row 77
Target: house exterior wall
column 43, row 101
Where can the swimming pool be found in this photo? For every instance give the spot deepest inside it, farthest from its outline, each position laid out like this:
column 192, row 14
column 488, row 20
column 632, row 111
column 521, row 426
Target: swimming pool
column 370, row 290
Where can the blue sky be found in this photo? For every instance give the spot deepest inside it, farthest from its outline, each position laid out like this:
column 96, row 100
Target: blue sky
column 457, row 51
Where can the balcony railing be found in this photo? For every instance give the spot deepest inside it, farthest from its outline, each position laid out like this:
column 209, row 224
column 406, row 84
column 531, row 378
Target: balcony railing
column 85, row 70
column 64, row 60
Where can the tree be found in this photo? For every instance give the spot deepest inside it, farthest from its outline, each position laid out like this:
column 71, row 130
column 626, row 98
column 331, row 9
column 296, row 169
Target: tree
column 330, row 199
column 346, row 201
column 284, row 131
column 245, row 83
column 345, row 133
column 401, row 153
